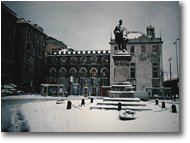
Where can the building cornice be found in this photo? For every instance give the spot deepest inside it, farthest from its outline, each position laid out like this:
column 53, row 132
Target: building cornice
column 81, row 53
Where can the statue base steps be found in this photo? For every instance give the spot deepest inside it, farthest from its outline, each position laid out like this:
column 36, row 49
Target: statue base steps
column 122, row 99
column 126, row 103
column 122, row 103
column 121, row 94
column 134, row 108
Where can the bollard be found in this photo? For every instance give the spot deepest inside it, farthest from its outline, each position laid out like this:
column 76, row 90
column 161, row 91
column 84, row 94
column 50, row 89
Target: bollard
column 156, row 101
column 163, row 105
column 91, row 100
column 119, row 106
column 69, row 104
column 82, row 102
column 174, row 109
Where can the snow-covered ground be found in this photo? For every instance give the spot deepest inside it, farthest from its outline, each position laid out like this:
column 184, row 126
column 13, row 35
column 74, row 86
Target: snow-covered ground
column 47, row 116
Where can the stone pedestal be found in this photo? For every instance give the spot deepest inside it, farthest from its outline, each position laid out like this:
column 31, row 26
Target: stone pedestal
column 119, row 72
column 122, row 90
column 120, row 87
column 120, row 66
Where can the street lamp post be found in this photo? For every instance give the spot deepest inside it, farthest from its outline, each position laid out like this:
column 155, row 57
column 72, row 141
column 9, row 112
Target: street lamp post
column 175, row 43
column 170, row 59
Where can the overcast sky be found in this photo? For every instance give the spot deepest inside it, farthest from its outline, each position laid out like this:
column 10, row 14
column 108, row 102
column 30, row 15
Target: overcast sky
column 87, row 25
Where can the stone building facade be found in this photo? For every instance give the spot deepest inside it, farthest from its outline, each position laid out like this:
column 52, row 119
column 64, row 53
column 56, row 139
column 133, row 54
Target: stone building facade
column 30, row 53
column 81, row 72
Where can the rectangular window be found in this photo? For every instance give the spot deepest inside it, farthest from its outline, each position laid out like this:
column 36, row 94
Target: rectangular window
column 28, row 36
column 38, row 41
column 155, row 49
column 155, row 70
column 132, row 50
column 143, row 49
column 132, row 72
column 43, row 44
column 132, row 64
column 33, row 39
column 155, row 64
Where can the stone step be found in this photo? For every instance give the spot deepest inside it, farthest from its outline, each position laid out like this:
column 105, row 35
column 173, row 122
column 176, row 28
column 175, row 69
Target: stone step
column 122, row 99
column 122, row 103
column 121, row 94
column 135, row 108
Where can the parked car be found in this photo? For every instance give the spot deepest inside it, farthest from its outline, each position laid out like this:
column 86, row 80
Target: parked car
column 6, row 92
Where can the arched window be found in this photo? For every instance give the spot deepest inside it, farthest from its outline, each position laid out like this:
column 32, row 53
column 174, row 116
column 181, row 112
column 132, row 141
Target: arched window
column 73, row 60
column 93, row 72
column 83, row 60
column 94, row 60
column 73, row 72
column 63, row 60
column 105, row 60
column 83, row 72
column 62, row 72
column 54, row 61
column 53, row 72
column 104, row 72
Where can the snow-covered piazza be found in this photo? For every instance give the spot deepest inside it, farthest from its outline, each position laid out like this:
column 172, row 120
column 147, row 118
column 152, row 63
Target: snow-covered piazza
column 35, row 113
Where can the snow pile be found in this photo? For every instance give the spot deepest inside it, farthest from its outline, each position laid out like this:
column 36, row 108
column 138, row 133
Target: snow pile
column 17, row 123
column 51, row 117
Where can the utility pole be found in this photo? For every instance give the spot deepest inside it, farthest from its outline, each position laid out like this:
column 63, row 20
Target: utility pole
column 170, row 59
column 175, row 43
